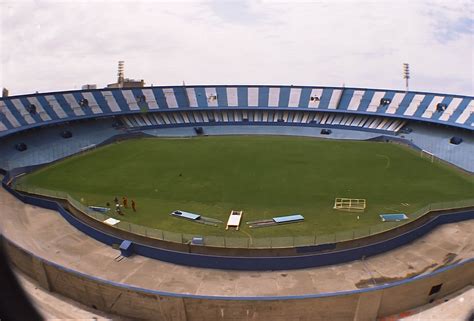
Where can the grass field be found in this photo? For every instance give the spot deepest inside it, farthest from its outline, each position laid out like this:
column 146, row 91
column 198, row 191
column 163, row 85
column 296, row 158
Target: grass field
column 263, row 176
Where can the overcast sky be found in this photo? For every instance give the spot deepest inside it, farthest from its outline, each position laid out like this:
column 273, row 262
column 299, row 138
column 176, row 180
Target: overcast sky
column 61, row 45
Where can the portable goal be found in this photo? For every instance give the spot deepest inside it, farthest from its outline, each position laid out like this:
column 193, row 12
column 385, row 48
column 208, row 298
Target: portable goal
column 427, row 154
column 350, row 204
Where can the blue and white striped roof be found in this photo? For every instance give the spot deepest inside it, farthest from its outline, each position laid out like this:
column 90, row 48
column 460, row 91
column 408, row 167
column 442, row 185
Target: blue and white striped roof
column 55, row 107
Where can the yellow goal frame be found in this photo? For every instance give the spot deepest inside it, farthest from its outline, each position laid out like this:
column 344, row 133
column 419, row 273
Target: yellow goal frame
column 350, row 204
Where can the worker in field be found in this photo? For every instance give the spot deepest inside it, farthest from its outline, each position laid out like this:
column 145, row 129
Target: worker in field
column 125, row 201
column 134, row 206
column 117, row 209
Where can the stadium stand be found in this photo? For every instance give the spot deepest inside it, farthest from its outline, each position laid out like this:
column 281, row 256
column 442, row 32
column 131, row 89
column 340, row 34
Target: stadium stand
column 436, row 139
column 51, row 107
column 361, row 122
column 46, row 145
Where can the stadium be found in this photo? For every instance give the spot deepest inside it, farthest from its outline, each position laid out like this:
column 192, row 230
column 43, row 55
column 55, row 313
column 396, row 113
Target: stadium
column 240, row 202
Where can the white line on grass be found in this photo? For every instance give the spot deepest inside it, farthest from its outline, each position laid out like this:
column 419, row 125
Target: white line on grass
column 386, row 157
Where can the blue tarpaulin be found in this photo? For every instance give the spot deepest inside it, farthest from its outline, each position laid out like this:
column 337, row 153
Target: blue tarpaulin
column 189, row 216
column 288, row 219
column 393, row 217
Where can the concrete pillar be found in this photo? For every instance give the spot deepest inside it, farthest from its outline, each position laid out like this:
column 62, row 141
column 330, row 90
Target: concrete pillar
column 40, row 273
column 368, row 306
column 172, row 309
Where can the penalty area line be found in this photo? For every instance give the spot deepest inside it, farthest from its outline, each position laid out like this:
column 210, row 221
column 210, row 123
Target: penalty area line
column 250, row 236
column 387, row 165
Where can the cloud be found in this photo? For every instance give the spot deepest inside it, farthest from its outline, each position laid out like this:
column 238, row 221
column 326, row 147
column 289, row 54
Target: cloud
column 236, row 12
column 451, row 30
column 56, row 45
column 452, row 20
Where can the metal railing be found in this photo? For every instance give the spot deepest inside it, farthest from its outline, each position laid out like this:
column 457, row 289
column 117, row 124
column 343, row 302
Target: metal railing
column 246, row 242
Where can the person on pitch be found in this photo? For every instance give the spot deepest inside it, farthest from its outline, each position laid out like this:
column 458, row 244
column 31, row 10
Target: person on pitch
column 117, row 209
column 125, row 201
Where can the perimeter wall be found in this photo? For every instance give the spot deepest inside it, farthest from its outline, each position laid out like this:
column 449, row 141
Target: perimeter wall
column 121, row 299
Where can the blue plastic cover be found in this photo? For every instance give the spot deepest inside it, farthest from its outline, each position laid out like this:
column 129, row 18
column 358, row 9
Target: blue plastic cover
column 197, row 240
column 99, row 209
column 189, row 216
column 289, row 218
column 393, row 217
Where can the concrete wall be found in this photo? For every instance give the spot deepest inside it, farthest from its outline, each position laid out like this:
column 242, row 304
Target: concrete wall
column 359, row 305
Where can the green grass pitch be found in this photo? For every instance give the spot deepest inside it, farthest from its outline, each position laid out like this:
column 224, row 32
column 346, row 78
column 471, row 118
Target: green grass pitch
column 265, row 176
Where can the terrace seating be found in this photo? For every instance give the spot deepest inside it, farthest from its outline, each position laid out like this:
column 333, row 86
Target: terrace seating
column 48, row 144
column 436, row 140
column 327, row 119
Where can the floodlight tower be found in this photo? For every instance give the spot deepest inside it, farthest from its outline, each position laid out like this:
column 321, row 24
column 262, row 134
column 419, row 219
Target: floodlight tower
column 120, row 73
column 406, row 74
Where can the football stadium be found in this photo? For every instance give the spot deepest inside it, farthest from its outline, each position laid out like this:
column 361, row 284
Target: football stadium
column 240, row 202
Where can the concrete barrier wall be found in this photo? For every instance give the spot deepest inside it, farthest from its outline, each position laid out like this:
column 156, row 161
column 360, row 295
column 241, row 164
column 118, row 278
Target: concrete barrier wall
column 121, row 299
column 415, row 292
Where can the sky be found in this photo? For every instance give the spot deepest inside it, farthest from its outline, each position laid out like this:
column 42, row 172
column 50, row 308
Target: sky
column 62, row 45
